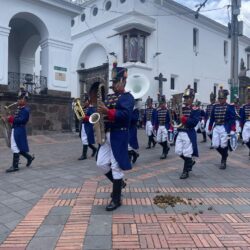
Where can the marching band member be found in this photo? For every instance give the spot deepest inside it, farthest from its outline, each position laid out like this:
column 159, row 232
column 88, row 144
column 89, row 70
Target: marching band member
column 245, row 121
column 87, row 132
column 133, row 145
column 186, row 141
column 19, row 142
column 149, row 122
column 112, row 156
column 163, row 125
column 237, row 111
column 222, row 123
column 201, row 124
column 208, row 114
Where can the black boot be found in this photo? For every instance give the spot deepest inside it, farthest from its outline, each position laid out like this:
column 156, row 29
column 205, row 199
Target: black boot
column 153, row 141
column 204, row 137
column 116, row 199
column 190, row 163
column 28, row 157
column 163, row 156
column 149, row 142
column 224, row 155
column 185, row 173
column 94, row 149
column 130, row 155
column 135, row 155
column 84, row 153
column 219, row 149
column 15, row 162
column 110, row 177
column 165, row 149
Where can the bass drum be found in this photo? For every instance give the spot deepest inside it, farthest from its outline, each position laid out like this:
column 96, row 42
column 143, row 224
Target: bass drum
column 138, row 85
column 5, row 130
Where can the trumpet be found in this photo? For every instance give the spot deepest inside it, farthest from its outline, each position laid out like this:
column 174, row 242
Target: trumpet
column 78, row 109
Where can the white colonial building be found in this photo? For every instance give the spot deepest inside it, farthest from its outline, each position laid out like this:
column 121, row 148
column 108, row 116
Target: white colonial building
column 69, row 44
column 150, row 37
column 42, row 26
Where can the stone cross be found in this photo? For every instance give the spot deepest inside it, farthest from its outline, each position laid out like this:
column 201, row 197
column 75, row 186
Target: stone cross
column 161, row 79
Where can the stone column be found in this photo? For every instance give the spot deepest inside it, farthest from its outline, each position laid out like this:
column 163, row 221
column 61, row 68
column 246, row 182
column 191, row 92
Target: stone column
column 4, row 54
column 56, row 63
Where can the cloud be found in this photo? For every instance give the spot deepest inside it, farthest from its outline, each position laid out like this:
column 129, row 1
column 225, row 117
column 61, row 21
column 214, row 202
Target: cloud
column 220, row 12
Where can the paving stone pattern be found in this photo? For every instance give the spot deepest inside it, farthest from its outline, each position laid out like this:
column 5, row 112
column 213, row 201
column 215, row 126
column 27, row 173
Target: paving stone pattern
column 59, row 203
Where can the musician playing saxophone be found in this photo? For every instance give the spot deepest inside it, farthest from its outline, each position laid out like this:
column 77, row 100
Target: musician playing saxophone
column 112, row 156
column 186, row 141
column 19, row 142
column 86, row 132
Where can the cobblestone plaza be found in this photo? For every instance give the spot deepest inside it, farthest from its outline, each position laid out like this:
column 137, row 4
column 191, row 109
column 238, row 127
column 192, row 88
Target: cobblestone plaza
column 59, row 203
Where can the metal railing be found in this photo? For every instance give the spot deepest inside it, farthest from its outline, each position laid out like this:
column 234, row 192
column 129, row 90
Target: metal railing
column 32, row 83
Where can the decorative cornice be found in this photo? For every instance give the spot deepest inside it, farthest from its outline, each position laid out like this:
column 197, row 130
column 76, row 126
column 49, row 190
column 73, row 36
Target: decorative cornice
column 70, row 7
column 4, row 31
column 137, row 65
column 138, row 21
column 57, row 44
column 123, row 18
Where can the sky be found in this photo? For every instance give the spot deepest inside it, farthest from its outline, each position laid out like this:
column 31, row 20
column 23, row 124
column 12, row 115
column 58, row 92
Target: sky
column 218, row 11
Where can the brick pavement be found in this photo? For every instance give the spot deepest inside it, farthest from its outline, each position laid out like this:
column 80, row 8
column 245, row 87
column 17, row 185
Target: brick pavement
column 59, row 203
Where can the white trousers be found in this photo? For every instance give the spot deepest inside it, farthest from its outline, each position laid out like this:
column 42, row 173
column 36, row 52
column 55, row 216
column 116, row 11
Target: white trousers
column 246, row 132
column 207, row 125
column 220, row 137
column 238, row 128
column 84, row 136
column 183, row 145
column 149, row 128
column 14, row 147
column 162, row 134
column 106, row 160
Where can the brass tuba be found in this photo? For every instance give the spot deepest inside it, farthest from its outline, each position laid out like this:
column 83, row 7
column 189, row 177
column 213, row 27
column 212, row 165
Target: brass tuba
column 5, row 125
column 97, row 119
column 78, row 109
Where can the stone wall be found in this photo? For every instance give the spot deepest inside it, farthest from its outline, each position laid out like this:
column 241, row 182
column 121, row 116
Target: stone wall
column 48, row 113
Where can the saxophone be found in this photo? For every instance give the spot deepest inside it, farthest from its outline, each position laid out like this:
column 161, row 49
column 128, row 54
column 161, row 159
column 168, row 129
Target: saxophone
column 5, row 127
column 97, row 119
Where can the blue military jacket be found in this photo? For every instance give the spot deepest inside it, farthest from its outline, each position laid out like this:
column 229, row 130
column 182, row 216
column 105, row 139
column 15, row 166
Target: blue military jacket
column 123, row 105
column 208, row 111
column 88, row 126
column 193, row 117
column 150, row 115
column 133, row 142
column 162, row 118
column 20, row 120
column 223, row 115
column 245, row 114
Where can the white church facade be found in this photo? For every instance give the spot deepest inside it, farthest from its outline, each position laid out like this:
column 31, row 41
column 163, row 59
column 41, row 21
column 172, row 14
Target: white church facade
column 39, row 27
column 77, row 41
column 152, row 37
